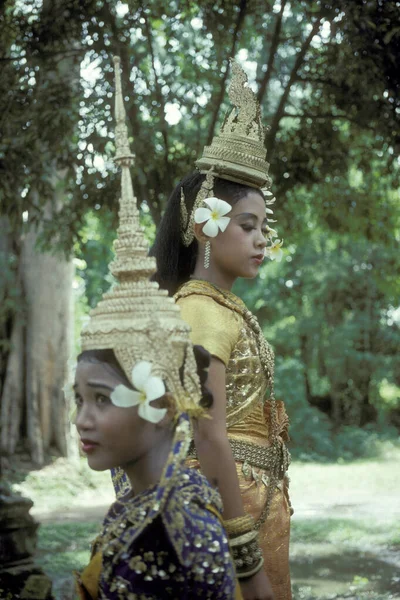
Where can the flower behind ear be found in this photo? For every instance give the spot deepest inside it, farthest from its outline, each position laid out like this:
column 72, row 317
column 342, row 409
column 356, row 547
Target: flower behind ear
column 213, row 217
column 148, row 388
column 275, row 251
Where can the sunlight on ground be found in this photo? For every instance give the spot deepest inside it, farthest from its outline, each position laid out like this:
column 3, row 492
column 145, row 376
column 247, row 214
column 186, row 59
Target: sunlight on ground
column 66, row 487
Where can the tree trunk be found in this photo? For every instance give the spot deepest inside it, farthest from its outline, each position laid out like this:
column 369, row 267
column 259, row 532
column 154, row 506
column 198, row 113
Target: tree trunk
column 48, row 286
column 11, row 342
column 12, row 397
column 33, row 407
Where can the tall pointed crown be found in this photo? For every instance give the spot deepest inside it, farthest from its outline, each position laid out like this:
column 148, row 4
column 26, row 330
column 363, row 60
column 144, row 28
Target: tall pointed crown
column 238, row 152
column 136, row 319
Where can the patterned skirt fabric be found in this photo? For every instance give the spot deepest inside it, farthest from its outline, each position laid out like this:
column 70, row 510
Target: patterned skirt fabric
column 275, row 532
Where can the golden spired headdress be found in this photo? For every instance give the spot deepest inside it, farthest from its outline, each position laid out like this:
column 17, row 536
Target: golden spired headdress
column 136, row 319
column 238, row 153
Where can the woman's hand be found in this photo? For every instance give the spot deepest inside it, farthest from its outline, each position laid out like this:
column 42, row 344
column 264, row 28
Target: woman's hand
column 257, row 587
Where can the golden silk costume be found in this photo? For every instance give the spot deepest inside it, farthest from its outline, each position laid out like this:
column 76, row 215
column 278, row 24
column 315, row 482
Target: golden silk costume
column 257, row 426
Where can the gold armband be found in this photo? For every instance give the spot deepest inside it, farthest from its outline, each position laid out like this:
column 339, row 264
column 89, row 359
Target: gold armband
column 243, row 541
column 239, row 525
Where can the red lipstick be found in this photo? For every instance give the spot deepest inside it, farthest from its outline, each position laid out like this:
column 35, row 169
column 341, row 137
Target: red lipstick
column 258, row 258
column 88, row 446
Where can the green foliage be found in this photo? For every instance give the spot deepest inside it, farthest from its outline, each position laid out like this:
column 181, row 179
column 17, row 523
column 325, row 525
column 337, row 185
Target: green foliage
column 313, row 437
column 55, row 537
column 64, row 548
column 62, row 484
column 332, row 302
column 331, row 98
column 94, row 254
column 357, row 532
column 174, row 59
column 310, row 431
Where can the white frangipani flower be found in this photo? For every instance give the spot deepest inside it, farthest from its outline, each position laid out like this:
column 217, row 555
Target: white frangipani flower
column 271, row 233
column 148, row 388
column 214, row 216
column 275, row 251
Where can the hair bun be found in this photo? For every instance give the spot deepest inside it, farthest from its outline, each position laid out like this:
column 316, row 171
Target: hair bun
column 203, row 359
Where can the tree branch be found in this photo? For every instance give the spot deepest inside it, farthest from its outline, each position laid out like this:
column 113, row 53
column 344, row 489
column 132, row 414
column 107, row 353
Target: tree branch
column 47, row 54
column 325, row 116
column 121, row 50
column 160, row 100
column 281, row 107
column 320, row 80
column 272, row 53
column 219, row 97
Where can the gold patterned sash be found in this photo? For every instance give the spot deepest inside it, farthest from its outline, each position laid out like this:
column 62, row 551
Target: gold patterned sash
column 256, row 456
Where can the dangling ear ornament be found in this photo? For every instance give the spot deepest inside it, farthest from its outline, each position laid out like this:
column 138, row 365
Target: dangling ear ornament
column 214, row 216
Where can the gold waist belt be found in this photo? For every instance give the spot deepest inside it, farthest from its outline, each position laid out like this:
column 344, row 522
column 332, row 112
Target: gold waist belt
column 266, row 458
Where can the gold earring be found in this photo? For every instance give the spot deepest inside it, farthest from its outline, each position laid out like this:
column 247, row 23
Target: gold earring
column 207, row 253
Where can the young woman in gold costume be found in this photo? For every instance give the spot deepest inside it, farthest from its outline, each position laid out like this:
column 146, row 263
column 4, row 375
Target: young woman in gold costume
column 215, row 230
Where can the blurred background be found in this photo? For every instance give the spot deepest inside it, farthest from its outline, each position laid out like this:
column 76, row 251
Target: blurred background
column 328, row 77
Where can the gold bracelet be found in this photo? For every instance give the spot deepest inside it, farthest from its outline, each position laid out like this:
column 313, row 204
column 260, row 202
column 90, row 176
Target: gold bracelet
column 243, row 540
column 246, row 554
column 239, row 525
column 247, row 574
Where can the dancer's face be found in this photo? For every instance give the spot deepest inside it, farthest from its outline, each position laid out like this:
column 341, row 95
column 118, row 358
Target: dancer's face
column 239, row 250
column 111, row 436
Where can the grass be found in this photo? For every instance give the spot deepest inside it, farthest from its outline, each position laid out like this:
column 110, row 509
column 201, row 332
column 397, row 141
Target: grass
column 357, row 533
column 345, row 537
column 62, row 485
column 64, row 547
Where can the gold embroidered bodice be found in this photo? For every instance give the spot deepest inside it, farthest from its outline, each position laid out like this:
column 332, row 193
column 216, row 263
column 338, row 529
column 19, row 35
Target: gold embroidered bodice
column 246, row 387
column 257, row 424
column 226, row 335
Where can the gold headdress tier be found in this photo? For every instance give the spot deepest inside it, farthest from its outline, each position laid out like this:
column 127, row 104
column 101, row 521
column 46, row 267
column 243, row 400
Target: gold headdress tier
column 136, row 319
column 238, row 152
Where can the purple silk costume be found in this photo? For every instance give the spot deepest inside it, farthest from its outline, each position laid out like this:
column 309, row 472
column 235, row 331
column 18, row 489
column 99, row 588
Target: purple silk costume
column 167, row 542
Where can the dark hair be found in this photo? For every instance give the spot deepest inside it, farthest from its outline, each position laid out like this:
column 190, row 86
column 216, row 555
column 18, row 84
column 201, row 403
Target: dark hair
column 108, row 358
column 203, row 359
column 175, row 261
